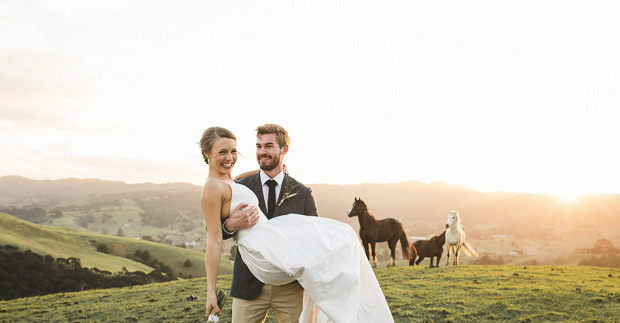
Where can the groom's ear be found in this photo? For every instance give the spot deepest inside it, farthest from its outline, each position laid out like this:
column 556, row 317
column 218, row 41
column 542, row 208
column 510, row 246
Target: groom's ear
column 285, row 149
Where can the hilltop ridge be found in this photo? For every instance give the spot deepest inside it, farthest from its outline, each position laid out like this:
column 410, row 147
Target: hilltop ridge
column 18, row 187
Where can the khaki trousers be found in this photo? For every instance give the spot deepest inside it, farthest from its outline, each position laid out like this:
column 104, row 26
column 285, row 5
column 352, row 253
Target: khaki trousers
column 286, row 301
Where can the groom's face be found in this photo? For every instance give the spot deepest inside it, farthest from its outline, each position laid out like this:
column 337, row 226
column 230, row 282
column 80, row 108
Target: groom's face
column 269, row 154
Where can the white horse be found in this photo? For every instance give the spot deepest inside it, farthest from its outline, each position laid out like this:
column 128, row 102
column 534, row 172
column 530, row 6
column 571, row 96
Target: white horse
column 455, row 239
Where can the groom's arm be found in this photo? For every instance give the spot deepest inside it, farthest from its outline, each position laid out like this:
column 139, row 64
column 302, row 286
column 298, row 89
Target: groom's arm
column 310, row 204
column 239, row 220
column 246, row 174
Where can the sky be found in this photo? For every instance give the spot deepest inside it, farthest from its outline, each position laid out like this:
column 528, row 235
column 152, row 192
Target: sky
column 496, row 95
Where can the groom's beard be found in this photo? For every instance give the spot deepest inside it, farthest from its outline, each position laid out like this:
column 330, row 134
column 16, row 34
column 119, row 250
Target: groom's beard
column 273, row 162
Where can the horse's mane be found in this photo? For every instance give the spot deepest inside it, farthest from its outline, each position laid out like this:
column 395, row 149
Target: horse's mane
column 459, row 217
column 366, row 206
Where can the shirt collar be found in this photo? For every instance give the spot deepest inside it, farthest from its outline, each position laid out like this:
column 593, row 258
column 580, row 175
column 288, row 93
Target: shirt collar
column 278, row 178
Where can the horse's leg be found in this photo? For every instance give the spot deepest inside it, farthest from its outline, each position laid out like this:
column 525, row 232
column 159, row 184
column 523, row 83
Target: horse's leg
column 394, row 252
column 392, row 245
column 438, row 258
column 456, row 255
column 419, row 260
column 447, row 255
column 431, row 266
column 375, row 263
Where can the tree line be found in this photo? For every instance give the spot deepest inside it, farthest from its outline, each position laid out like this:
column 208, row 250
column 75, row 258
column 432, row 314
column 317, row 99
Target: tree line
column 25, row 273
column 602, row 254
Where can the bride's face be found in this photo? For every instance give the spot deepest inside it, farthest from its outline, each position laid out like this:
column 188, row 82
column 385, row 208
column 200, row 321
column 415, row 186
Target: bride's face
column 223, row 155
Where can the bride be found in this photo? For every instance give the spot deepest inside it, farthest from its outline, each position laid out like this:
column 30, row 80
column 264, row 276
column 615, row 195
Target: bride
column 323, row 254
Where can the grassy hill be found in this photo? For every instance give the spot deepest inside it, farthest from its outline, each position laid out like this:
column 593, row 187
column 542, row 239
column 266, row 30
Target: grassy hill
column 61, row 242
column 414, row 294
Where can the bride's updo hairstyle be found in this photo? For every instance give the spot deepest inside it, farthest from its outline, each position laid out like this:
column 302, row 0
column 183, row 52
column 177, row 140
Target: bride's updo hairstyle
column 210, row 136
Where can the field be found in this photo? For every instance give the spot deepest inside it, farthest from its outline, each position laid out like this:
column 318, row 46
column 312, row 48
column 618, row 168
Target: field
column 414, row 294
column 107, row 219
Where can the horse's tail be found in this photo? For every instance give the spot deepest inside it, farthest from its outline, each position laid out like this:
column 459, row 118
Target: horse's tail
column 404, row 245
column 469, row 250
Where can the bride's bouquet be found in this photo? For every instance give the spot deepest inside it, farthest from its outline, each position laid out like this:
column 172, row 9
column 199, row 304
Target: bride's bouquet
column 221, row 300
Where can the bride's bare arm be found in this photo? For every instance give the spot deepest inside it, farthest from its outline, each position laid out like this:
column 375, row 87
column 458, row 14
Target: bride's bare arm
column 211, row 202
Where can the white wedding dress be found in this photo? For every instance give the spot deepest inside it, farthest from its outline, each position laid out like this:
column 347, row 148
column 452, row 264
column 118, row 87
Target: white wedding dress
column 323, row 254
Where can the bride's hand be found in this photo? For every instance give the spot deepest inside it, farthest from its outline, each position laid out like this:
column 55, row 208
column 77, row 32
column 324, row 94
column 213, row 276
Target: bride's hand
column 211, row 305
column 285, row 169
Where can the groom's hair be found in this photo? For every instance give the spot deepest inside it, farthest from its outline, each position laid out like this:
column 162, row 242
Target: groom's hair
column 210, row 136
column 279, row 131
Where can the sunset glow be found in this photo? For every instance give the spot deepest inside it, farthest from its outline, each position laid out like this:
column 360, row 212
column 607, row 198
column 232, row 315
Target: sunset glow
column 569, row 196
column 494, row 95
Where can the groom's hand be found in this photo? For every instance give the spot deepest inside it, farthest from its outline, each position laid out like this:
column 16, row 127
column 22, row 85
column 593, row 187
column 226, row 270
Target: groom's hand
column 240, row 220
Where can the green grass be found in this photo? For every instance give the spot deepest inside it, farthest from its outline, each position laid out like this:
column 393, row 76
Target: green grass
column 109, row 218
column 503, row 293
column 61, row 242
column 171, row 256
column 414, row 294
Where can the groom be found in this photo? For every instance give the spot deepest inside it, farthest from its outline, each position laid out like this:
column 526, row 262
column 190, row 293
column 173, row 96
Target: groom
column 278, row 194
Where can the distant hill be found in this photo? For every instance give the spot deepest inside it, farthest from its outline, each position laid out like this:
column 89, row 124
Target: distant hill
column 537, row 223
column 421, row 207
column 64, row 243
column 15, row 188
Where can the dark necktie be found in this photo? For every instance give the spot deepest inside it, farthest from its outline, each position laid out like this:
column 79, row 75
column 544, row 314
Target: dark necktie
column 271, row 198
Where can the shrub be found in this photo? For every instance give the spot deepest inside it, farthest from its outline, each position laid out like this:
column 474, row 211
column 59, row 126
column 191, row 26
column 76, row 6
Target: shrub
column 102, row 248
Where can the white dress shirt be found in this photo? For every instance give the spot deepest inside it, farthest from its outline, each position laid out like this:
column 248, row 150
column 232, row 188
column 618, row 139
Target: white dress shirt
column 264, row 178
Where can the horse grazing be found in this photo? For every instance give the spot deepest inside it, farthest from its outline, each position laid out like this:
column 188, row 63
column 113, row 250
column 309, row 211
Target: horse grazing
column 455, row 239
column 373, row 231
column 432, row 248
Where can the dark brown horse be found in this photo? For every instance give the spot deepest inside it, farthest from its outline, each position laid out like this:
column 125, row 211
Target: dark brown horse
column 373, row 231
column 427, row 248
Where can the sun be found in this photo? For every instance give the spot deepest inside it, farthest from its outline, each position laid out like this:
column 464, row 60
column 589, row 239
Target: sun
column 568, row 195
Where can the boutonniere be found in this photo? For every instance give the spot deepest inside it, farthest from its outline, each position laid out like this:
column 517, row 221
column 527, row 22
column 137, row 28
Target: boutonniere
column 288, row 193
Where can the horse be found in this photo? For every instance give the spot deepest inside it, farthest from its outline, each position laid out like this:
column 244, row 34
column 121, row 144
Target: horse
column 373, row 231
column 455, row 239
column 432, row 248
